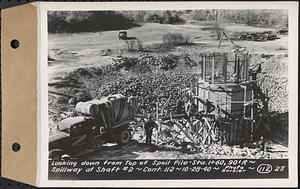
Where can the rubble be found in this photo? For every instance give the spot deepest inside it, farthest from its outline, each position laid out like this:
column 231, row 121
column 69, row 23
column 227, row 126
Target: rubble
column 162, row 87
column 274, row 80
column 166, row 62
column 259, row 36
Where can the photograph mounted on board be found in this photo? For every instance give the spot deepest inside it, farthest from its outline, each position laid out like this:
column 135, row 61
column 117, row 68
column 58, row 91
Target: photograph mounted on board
column 171, row 88
column 184, row 84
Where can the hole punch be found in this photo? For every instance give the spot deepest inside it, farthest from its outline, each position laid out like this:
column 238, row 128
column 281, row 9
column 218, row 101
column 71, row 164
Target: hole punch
column 15, row 44
column 16, row 147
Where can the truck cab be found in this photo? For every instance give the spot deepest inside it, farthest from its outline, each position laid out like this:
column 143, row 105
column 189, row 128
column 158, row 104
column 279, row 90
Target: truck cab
column 102, row 121
column 122, row 35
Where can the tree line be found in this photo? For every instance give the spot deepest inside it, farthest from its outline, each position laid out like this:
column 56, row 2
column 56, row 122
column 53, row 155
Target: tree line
column 91, row 21
column 263, row 17
column 87, row 21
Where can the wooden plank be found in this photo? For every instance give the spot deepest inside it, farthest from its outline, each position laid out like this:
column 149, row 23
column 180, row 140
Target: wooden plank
column 178, row 125
column 244, row 67
column 204, row 68
column 238, row 74
column 60, row 94
column 225, row 67
column 213, row 70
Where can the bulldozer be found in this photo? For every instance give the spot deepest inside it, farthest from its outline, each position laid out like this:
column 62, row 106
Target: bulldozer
column 102, row 121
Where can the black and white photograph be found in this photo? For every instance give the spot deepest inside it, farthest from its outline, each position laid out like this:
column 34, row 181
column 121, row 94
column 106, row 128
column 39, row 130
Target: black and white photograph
column 150, row 94
column 168, row 85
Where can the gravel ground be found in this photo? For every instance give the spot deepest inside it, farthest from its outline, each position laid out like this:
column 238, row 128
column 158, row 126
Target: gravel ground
column 136, row 150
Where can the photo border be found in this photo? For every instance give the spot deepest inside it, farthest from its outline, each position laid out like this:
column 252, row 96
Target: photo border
column 42, row 173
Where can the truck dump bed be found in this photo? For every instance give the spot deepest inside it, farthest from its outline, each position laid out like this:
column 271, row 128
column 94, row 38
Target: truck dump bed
column 110, row 111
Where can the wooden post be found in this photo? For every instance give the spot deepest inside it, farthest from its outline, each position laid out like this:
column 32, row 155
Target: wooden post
column 218, row 102
column 225, row 68
column 235, row 61
column 204, row 67
column 238, row 71
column 245, row 98
column 247, row 68
column 197, row 93
column 213, row 69
column 252, row 116
column 157, row 121
column 244, row 67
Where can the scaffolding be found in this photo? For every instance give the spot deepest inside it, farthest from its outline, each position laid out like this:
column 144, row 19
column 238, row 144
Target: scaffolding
column 230, row 107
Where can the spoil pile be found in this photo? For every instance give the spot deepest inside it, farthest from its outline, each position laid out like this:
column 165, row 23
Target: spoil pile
column 162, row 87
column 274, row 80
column 145, row 60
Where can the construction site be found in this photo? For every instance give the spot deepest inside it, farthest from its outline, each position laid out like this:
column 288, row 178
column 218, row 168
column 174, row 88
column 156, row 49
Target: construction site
column 217, row 95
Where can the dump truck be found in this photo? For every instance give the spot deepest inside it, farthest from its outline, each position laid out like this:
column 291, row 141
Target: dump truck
column 101, row 121
column 122, row 35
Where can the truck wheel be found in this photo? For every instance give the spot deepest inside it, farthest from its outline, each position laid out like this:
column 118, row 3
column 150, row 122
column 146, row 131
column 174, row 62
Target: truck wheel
column 123, row 137
column 56, row 154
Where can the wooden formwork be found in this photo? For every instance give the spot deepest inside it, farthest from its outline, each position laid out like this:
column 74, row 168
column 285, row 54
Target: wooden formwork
column 227, row 97
column 224, row 67
column 229, row 87
column 232, row 110
column 226, row 86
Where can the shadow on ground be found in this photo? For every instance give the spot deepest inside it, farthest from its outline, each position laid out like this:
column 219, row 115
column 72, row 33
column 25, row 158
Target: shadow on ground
column 279, row 125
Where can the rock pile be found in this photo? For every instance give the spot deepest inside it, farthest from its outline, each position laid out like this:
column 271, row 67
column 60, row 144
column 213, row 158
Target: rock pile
column 274, row 80
column 123, row 62
column 277, row 92
column 145, row 59
column 162, row 87
column 148, row 59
